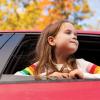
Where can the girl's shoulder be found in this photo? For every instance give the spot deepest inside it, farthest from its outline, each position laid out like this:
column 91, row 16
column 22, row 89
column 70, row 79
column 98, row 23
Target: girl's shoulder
column 83, row 61
column 87, row 66
column 34, row 65
column 84, row 64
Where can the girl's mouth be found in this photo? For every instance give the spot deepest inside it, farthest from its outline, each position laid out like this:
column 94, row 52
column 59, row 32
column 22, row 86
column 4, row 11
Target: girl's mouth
column 73, row 42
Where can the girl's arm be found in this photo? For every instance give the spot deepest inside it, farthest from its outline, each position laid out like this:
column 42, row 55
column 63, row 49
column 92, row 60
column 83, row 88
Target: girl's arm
column 93, row 72
column 27, row 71
column 90, row 70
column 94, row 69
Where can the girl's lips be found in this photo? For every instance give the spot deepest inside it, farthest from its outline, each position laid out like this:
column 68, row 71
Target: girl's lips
column 73, row 42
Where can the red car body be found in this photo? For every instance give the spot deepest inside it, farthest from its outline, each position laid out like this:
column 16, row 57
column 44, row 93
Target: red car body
column 51, row 91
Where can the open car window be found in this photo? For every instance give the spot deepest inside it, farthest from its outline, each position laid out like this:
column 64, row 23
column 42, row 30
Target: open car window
column 23, row 55
column 24, row 52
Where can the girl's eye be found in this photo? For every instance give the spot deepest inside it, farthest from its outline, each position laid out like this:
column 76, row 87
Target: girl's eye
column 68, row 32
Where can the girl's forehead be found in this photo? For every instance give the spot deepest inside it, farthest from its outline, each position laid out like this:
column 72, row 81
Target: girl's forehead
column 68, row 26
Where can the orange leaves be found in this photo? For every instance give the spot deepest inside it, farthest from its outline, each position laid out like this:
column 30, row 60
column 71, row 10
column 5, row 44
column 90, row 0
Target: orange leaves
column 85, row 8
column 43, row 3
column 39, row 13
column 18, row 20
column 3, row 1
column 69, row 6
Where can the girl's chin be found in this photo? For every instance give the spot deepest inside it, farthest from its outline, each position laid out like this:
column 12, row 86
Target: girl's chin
column 72, row 50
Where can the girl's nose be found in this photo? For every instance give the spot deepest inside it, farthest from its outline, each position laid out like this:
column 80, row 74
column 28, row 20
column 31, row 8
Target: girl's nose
column 74, row 37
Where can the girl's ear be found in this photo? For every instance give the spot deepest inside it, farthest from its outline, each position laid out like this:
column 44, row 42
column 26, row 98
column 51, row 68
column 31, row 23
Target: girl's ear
column 51, row 40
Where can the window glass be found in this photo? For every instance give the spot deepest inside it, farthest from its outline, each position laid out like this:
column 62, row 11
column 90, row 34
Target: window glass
column 23, row 55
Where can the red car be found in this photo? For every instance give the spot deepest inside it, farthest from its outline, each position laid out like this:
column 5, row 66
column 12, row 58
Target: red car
column 15, row 50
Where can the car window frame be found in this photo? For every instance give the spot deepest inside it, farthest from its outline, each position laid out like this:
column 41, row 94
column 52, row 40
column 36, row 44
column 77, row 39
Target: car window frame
column 5, row 52
column 5, row 78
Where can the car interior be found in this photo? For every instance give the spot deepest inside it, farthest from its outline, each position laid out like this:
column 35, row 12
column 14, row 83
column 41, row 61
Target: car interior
column 23, row 56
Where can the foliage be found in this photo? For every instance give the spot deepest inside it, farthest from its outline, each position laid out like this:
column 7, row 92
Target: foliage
column 36, row 14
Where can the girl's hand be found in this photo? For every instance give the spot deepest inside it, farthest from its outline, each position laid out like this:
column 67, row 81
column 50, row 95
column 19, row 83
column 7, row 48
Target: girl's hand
column 76, row 74
column 58, row 75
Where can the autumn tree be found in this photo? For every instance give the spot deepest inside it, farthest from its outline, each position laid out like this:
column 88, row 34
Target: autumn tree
column 36, row 14
column 18, row 15
column 73, row 10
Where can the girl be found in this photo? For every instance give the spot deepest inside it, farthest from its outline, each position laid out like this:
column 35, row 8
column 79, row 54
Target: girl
column 54, row 55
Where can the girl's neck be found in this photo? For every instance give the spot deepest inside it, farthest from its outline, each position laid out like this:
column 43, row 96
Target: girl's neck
column 60, row 59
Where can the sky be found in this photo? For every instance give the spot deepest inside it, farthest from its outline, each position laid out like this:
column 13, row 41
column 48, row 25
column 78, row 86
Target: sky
column 95, row 20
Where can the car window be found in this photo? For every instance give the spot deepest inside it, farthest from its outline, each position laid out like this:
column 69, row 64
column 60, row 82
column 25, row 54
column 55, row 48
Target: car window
column 8, row 49
column 4, row 38
column 1, row 34
column 89, row 48
column 23, row 55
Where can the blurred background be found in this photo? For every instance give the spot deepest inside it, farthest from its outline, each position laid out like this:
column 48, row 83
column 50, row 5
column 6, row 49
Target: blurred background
column 36, row 14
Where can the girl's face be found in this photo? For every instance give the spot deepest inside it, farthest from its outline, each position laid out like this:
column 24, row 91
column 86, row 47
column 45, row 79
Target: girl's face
column 66, row 40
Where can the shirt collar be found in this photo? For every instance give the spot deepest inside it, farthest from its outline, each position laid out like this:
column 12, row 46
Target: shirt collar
column 58, row 66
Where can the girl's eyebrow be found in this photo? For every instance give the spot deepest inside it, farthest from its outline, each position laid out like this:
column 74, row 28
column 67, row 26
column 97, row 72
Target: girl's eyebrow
column 69, row 30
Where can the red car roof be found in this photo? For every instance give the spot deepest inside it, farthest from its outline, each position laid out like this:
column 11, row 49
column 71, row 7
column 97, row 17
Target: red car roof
column 38, row 31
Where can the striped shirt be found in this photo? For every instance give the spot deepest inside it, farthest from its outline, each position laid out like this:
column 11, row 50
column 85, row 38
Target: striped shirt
column 89, row 69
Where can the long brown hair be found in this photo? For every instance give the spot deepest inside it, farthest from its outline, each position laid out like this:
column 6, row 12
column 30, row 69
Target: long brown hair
column 45, row 52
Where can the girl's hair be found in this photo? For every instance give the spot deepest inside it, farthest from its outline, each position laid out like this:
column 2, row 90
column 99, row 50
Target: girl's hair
column 45, row 52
